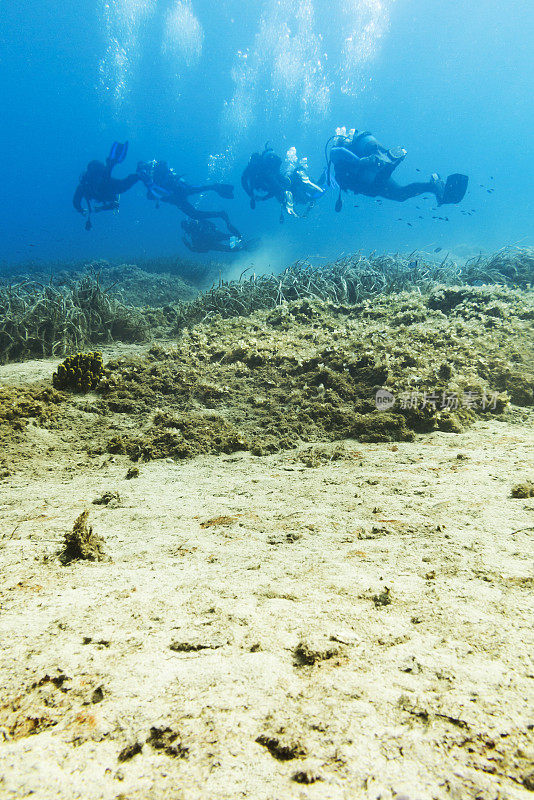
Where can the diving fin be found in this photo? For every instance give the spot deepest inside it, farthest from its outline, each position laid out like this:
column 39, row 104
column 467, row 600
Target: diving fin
column 455, row 189
column 252, row 203
column 118, row 153
column 225, row 190
column 339, row 202
column 88, row 224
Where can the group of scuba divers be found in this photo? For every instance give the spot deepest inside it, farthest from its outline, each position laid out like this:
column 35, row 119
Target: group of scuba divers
column 355, row 162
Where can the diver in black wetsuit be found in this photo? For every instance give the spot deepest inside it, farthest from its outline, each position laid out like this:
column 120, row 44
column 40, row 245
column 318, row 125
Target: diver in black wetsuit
column 262, row 178
column 164, row 185
column 205, row 236
column 363, row 166
column 97, row 185
column 267, row 176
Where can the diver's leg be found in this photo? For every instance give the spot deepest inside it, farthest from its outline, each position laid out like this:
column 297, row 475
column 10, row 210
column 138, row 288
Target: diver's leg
column 199, row 189
column 195, row 213
column 287, row 204
column 224, row 190
column 392, row 190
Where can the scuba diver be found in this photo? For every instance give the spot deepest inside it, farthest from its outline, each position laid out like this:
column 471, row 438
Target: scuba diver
column 96, row 184
column 164, row 185
column 303, row 190
column 363, row 166
column 266, row 176
column 205, row 236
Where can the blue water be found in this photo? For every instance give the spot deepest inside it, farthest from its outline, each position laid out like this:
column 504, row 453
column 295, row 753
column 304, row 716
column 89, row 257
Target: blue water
column 203, row 84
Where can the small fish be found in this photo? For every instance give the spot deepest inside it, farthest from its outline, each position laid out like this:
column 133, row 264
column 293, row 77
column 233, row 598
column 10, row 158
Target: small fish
column 417, row 170
column 438, row 249
column 489, row 191
column 409, row 224
column 491, row 177
column 420, row 217
column 399, row 219
column 473, row 210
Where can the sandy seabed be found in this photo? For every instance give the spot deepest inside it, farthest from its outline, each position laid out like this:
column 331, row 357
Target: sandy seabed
column 266, row 629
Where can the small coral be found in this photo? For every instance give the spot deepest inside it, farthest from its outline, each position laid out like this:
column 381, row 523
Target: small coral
column 81, row 543
column 523, row 490
column 79, row 373
column 282, row 746
column 312, row 652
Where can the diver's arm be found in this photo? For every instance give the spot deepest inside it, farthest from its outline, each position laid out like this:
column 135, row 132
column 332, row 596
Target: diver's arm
column 77, row 199
column 246, row 183
column 305, row 180
column 340, row 155
column 121, row 185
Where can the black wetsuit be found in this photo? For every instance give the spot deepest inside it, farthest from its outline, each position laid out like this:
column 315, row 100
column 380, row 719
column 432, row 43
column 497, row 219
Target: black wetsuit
column 164, row 185
column 205, row 236
column 97, row 185
column 363, row 166
column 262, row 174
column 266, row 176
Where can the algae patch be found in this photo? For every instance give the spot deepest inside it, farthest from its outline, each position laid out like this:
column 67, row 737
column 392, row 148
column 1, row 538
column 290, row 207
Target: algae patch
column 79, row 373
column 309, row 372
column 81, row 543
column 523, row 490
